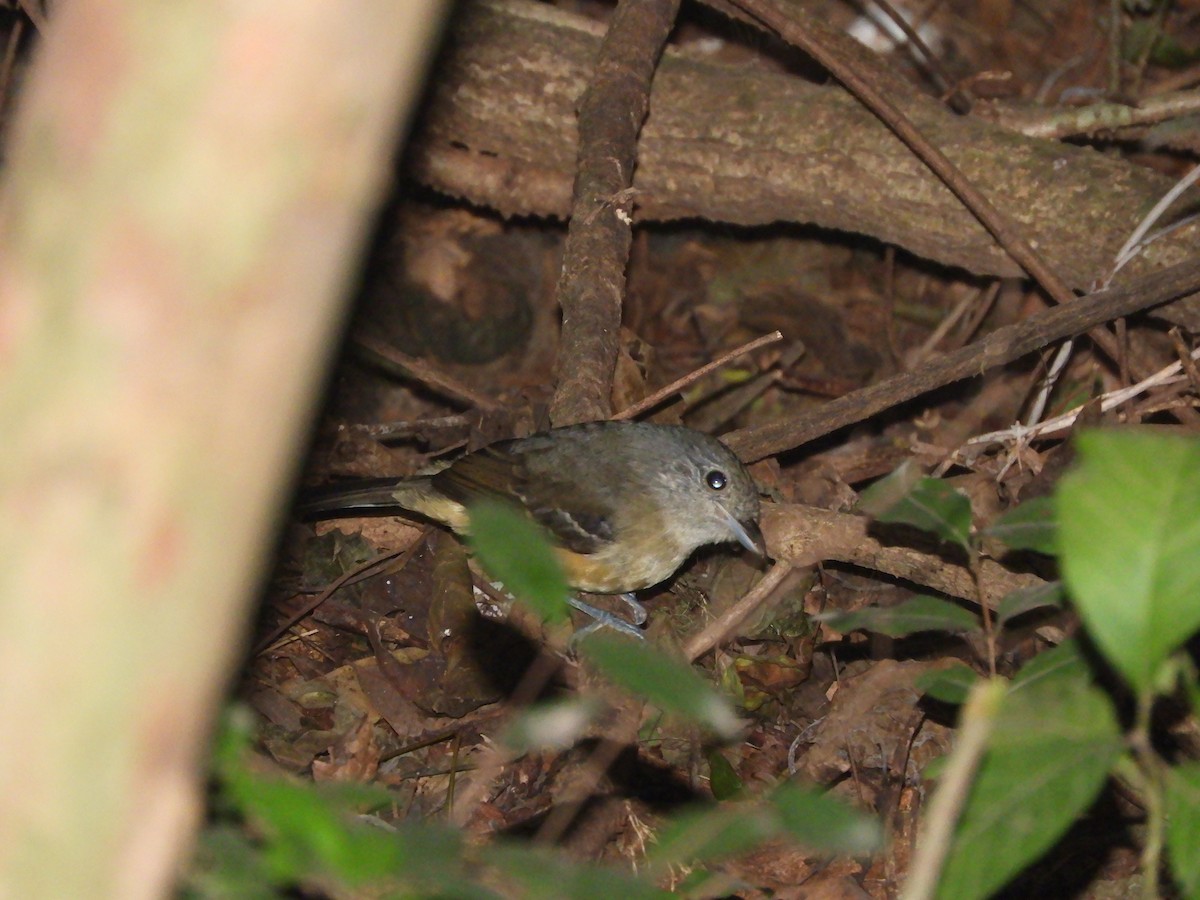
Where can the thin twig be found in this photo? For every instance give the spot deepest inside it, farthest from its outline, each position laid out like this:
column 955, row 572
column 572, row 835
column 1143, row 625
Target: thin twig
column 1009, row 237
column 648, row 403
column 591, row 288
column 978, row 717
column 1135, row 243
column 1061, row 122
column 425, row 373
column 724, row 625
column 390, row 431
column 998, row 348
column 1177, row 81
column 1001, row 227
column 980, row 297
column 1048, row 382
column 1158, row 16
column 1185, row 358
column 334, row 586
column 979, row 313
column 956, row 100
column 713, row 411
column 889, row 302
column 1108, row 402
column 1114, row 47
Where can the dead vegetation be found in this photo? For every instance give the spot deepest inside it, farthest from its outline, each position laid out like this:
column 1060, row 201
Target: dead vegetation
column 884, row 356
column 895, row 254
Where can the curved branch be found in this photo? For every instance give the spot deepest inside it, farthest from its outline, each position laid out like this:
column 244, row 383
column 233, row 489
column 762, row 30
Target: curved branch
column 752, row 147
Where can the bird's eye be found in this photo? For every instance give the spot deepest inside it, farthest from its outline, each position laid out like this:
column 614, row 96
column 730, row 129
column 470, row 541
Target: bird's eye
column 716, row 480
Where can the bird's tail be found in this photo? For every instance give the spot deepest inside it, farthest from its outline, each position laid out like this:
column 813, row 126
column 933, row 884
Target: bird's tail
column 364, row 495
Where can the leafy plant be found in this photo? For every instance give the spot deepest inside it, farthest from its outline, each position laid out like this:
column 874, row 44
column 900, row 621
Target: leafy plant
column 907, row 497
column 271, row 834
column 1126, row 526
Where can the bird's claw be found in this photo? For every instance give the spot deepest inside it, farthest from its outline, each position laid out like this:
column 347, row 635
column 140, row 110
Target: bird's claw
column 635, row 608
column 608, row 620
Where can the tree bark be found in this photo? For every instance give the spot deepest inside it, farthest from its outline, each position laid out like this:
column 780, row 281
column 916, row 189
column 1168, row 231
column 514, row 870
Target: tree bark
column 591, row 288
column 186, row 188
column 752, row 147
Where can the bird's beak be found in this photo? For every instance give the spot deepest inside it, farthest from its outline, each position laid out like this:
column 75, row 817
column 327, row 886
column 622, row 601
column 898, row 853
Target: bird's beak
column 747, row 534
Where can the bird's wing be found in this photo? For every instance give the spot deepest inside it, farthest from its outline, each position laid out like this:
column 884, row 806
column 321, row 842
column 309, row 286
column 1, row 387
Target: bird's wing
column 574, row 513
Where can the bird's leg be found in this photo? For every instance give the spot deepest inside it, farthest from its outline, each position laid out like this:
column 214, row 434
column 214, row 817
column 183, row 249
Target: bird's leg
column 635, row 608
column 601, row 618
column 608, row 620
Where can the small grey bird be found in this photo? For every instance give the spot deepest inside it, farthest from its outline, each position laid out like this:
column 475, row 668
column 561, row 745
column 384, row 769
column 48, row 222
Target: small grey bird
column 625, row 503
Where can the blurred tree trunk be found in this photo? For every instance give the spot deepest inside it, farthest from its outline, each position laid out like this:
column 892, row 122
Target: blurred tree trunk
column 187, row 186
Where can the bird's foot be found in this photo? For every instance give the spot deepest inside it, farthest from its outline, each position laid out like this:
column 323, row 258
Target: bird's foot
column 608, row 620
column 635, row 608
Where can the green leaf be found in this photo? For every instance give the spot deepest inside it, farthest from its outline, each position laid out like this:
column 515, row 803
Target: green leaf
column 1031, row 526
column 1183, row 826
column 308, row 831
column 1025, row 600
column 930, row 504
column 516, row 552
column 723, row 779
column 1190, row 683
column 1129, row 519
column 711, row 833
column 1064, row 664
column 918, row 614
column 543, row 873
column 665, row 681
column 1049, row 754
column 305, row 834
column 950, row 685
column 227, row 864
column 822, row 822
column 809, row 816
